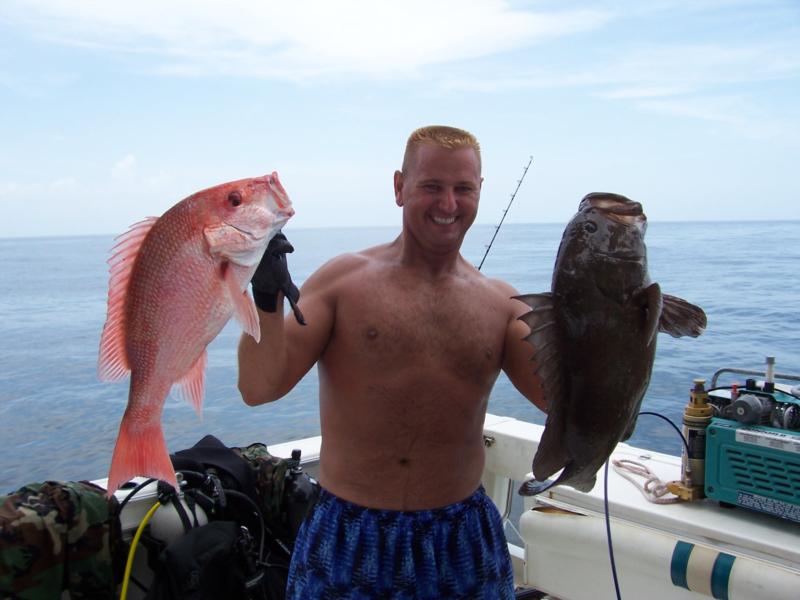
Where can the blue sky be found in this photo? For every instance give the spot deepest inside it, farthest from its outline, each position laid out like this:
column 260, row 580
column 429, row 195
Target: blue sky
column 113, row 111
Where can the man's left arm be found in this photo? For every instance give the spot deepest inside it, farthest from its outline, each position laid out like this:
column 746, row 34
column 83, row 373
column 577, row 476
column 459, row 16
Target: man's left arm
column 518, row 362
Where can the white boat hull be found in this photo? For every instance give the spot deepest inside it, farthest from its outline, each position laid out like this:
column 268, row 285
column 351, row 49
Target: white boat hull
column 677, row 551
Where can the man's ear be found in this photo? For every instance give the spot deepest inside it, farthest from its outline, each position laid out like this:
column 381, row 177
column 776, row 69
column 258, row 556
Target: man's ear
column 398, row 188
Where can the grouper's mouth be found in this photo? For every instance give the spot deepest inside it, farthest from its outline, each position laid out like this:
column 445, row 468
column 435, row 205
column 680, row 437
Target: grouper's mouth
column 616, row 207
column 621, row 256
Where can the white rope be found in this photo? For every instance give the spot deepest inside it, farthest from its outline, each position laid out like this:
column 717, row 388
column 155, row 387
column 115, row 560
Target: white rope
column 653, row 488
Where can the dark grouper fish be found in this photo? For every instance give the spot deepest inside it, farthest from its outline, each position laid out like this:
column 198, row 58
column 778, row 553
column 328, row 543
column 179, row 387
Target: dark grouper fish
column 594, row 336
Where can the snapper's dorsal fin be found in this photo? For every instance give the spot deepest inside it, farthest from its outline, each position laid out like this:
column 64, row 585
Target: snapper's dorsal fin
column 112, row 364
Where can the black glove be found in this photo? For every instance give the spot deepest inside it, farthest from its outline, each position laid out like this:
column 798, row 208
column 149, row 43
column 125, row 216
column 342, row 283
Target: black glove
column 272, row 276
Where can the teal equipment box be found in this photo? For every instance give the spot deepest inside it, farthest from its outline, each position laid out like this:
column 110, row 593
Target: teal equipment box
column 754, row 466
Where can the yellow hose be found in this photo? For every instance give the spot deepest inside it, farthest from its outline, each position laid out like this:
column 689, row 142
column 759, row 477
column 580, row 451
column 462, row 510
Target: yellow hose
column 129, row 565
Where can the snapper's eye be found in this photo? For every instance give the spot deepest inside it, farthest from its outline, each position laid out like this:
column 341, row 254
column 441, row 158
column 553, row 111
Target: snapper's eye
column 235, row 198
column 589, row 227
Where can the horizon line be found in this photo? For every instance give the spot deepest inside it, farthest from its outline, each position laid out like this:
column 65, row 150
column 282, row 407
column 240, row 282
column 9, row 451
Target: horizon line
column 399, row 225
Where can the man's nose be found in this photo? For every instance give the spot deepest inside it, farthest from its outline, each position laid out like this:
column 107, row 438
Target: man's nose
column 448, row 200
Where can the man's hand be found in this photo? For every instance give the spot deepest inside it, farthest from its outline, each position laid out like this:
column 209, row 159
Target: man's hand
column 272, row 276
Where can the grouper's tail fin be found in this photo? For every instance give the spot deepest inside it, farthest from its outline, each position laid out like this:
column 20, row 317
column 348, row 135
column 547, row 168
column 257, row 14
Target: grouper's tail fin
column 533, row 487
column 569, row 476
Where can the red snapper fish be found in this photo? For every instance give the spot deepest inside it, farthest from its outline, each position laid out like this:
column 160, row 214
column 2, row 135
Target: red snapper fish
column 175, row 281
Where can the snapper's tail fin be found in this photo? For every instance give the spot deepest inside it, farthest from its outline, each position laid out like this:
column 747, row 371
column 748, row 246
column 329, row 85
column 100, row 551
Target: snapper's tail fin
column 140, row 450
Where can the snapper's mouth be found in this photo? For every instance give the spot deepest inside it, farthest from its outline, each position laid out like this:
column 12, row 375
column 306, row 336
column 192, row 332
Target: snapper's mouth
column 250, row 234
column 283, row 215
column 262, row 222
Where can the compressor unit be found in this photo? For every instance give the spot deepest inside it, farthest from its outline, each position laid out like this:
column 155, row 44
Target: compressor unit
column 752, row 453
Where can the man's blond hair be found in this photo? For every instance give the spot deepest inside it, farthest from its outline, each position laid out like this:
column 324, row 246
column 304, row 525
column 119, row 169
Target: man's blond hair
column 443, row 136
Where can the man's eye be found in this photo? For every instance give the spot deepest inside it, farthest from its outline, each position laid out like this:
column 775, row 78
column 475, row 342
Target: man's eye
column 431, row 187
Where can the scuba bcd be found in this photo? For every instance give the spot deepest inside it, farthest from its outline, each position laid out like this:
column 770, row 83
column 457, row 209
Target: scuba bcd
column 230, row 530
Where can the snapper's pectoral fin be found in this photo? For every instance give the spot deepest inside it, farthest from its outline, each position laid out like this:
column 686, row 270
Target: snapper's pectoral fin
column 191, row 387
column 681, row 318
column 244, row 309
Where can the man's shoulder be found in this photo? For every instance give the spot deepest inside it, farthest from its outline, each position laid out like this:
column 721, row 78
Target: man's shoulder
column 491, row 285
column 348, row 265
column 497, row 292
column 355, row 260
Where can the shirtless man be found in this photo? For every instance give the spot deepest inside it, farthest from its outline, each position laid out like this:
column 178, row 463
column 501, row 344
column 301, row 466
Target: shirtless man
column 409, row 339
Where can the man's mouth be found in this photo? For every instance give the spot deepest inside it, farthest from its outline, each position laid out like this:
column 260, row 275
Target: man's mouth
column 444, row 220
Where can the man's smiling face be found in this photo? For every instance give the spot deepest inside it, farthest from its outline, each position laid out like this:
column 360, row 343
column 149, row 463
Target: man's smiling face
column 439, row 193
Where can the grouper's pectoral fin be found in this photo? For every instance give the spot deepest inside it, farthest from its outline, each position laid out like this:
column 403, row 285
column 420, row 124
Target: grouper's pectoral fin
column 651, row 303
column 680, row 318
column 552, row 453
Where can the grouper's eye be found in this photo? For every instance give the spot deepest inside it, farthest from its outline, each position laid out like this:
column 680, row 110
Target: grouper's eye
column 589, row 227
column 235, row 198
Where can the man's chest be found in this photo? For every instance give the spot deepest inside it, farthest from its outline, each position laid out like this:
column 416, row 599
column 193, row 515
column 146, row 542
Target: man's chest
column 449, row 328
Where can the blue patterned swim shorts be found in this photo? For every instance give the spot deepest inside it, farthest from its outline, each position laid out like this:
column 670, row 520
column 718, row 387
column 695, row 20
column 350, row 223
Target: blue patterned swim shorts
column 348, row 552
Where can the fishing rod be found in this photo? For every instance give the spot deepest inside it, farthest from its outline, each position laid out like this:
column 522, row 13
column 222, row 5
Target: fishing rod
column 505, row 212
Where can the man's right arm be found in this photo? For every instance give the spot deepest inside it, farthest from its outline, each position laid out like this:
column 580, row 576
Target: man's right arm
column 268, row 370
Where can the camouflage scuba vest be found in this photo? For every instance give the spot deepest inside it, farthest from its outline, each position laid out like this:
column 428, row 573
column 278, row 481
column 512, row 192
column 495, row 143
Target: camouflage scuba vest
column 58, row 537
column 63, row 539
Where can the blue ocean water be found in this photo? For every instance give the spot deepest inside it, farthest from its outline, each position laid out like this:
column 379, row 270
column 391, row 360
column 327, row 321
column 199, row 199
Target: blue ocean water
column 57, row 421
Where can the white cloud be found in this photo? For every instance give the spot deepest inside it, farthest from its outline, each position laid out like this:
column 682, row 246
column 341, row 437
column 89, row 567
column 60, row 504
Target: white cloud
column 649, row 71
column 63, row 184
column 717, row 82
column 644, row 91
column 302, row 38
column 15, row 190
column 732, row 111
column 124, row 167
